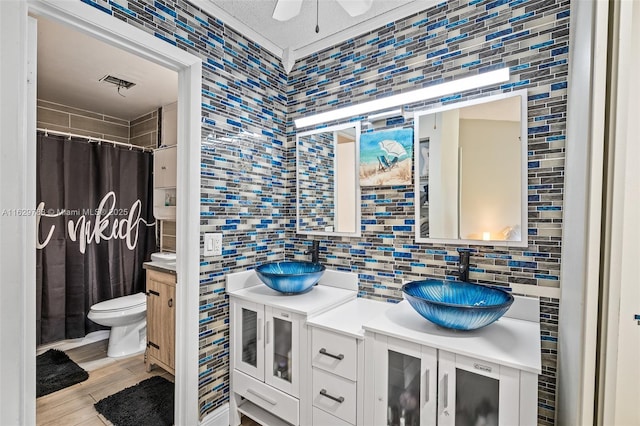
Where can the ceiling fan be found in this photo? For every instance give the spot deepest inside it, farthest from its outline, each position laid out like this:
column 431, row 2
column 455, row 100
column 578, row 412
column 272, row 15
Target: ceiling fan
column 287, row 9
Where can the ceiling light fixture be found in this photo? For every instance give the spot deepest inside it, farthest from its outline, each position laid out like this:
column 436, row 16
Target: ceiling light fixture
column 438, row 90
column 285, row 10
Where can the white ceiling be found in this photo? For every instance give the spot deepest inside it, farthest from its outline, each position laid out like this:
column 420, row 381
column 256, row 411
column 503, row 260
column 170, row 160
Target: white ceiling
column 71, row 63
column 297, row 38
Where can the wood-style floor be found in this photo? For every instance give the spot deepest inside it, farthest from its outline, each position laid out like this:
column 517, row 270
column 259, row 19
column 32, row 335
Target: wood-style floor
column 73, row 406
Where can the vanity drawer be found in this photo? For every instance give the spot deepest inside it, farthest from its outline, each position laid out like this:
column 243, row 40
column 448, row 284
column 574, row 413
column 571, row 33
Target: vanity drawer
column 334, row 352
column 335, row 395
column 276, row 402
column 322, row 418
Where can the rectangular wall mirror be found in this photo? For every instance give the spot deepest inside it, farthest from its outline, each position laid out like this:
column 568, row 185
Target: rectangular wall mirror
column 328, row 188
column 471, row 172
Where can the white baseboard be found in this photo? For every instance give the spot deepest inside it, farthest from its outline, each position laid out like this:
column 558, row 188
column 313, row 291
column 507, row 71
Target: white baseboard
column 220, row 417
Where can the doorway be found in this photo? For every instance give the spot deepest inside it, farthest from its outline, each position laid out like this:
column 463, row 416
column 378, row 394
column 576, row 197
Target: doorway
column 19, row 370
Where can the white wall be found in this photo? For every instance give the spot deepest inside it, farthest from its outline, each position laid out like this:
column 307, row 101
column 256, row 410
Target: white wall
column 17, row 231
column 620, row 333
column 578, row 318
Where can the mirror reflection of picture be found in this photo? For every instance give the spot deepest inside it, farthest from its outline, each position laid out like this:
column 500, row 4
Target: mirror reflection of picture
column 385, row 157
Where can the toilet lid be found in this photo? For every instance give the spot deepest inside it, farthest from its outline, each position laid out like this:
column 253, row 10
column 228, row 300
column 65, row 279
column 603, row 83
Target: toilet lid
column 121, row 303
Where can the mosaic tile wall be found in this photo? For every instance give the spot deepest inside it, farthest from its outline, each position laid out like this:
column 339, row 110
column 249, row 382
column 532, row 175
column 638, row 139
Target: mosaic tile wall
column 451, row 40
column 248, row 155
column 316, row 181
column 244, row 163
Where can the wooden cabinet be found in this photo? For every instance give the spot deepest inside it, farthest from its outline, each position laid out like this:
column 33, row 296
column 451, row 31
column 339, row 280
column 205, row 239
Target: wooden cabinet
column 161, row 320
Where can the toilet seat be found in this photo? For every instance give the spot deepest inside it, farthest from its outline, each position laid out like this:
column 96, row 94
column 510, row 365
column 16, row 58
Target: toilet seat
column 120, row 304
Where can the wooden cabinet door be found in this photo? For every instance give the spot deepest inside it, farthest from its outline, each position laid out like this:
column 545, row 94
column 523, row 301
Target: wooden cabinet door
column 161, row 320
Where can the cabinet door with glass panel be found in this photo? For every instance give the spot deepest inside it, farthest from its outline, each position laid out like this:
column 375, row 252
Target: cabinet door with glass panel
column 266, row 344
column 248, row 337
column 405, row 383
column 282, row 345
column 475, row 392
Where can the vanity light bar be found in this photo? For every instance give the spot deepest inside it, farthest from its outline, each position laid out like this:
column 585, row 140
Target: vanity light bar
column 438, row 90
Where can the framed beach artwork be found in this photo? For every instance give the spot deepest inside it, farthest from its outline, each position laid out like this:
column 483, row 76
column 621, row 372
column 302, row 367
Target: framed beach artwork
column 386, row 157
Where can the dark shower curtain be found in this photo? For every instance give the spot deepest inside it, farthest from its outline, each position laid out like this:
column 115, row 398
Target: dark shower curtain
column 93, row 233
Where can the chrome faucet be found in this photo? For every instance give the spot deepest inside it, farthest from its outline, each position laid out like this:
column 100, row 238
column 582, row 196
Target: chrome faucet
column 314, row 251
column 463, row 266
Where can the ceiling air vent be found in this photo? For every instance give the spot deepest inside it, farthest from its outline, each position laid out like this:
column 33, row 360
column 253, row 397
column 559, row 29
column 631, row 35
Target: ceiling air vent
column 118, row 82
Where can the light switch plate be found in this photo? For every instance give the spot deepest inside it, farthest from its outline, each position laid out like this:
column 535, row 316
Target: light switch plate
column 212, row 244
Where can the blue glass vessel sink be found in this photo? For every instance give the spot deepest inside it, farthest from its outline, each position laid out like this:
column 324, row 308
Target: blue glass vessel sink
column 457, row 305
column 290, row 277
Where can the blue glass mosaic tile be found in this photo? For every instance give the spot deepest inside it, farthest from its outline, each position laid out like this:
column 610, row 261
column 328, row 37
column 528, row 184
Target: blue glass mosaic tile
column 165, row 9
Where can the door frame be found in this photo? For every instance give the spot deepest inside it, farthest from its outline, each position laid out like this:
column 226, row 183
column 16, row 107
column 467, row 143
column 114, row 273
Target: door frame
column 17, row 167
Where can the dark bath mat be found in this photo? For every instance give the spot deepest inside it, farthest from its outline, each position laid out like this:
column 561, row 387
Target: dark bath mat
column 55, row 371
column 150, row 402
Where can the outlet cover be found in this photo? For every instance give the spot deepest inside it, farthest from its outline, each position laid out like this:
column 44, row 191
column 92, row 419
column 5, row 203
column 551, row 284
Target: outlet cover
column 212, row 244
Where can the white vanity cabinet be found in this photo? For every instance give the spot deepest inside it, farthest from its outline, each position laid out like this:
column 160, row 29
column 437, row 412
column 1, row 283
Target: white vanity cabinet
column 405, row 379
column 337, row 362
column 270, row 341
column 425, row 375
column 266, row 344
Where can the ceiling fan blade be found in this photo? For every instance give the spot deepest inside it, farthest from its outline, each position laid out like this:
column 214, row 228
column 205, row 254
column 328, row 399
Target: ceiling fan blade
column 355, row 7
column 286, row 9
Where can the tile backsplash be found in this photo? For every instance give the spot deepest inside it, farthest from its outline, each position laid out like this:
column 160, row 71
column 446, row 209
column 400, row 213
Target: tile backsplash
column 453, row 39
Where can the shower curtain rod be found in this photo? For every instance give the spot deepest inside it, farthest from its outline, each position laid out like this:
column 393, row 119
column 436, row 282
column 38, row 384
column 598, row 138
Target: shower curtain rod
column 93, row 139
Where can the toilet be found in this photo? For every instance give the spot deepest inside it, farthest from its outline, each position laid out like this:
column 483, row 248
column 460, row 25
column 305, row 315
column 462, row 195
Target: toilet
column 127, row 317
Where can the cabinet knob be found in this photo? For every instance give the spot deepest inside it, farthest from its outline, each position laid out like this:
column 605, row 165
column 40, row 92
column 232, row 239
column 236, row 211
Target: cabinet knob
column 170, row 303
column 163, row 167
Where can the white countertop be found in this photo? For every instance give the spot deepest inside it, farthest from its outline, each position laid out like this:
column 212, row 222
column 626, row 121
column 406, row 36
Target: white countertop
column 508, row 341
column 348, row 318
column 317, row 300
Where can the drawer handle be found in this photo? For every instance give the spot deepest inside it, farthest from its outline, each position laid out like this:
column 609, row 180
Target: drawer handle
column 323, row 351
column 264, row 398
column 151, row 292
column 339, row 399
